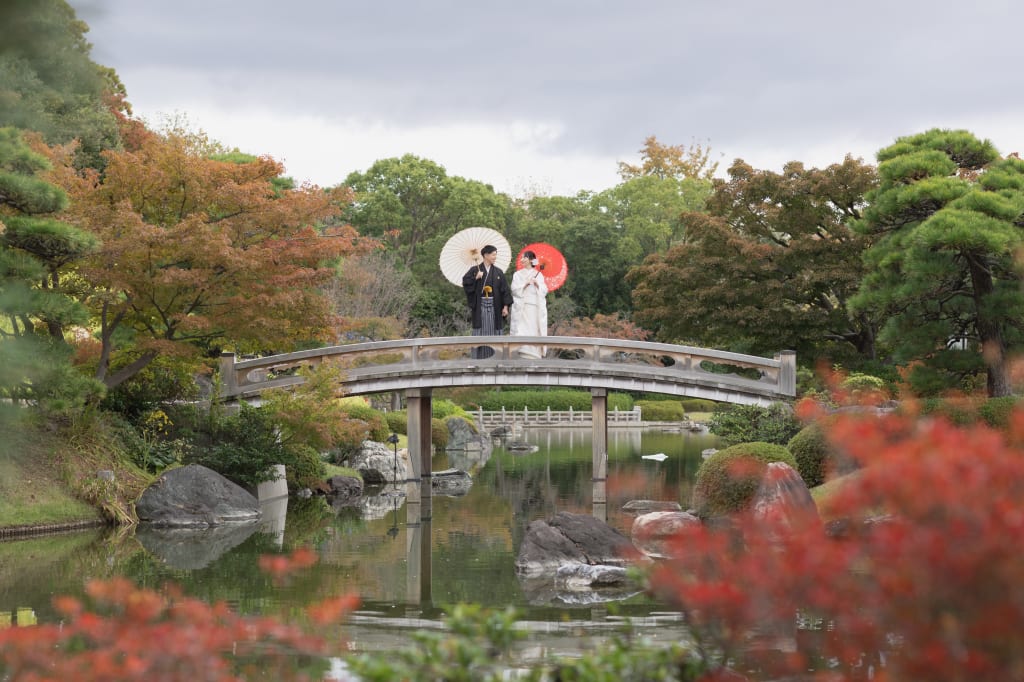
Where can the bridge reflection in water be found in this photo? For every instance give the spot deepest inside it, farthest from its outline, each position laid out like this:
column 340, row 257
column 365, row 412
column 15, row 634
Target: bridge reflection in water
column 418, row 366
column 418, row 545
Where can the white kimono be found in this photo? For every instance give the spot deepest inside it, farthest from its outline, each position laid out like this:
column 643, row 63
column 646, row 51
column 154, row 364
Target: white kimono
column 529, row 309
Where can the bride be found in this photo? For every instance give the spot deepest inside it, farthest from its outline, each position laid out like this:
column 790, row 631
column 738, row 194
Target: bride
column 529, row 308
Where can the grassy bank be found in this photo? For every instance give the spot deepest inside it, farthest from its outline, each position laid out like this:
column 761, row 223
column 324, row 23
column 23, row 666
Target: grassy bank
column 49, row 476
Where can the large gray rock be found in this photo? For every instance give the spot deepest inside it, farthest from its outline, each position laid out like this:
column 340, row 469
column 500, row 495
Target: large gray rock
column 379, row 506
column 195, row 496
column 345, row 486
column 783, row 501
column 653, row 533
column 571, row 539
column 344, row 491
column 377, row 463
column 450, row 483
column 462, row 435
column 647, row 506
column 193, row 548
column 579, row 584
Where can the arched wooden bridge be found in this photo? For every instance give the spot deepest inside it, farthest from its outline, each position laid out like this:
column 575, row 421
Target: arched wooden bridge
column 418, row 366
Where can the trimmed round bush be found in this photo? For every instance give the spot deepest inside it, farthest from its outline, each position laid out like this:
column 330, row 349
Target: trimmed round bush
column 811, row 450
column 727, row 480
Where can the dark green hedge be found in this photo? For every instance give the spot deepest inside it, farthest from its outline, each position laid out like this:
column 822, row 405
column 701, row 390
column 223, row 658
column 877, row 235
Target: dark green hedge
column 699, row 405
column 557, row 400
column 660, row 410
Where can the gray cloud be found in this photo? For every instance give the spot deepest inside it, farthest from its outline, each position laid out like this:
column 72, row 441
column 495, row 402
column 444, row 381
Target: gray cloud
column 743, row 75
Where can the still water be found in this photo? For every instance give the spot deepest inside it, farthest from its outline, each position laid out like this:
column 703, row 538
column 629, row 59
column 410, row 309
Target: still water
column 407, row 555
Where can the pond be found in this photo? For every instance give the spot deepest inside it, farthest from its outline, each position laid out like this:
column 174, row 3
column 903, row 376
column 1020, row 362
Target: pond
column 406, row 555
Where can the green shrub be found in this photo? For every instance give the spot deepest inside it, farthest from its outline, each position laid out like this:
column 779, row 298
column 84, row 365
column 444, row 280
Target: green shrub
column 442, row 409
column 727, row 480
column 660, row 410
column 245, row 445
column 397, row 421
column 164, row 380
column 812, row 453
column 957, row 412
column 996, row 411
column 699, row 405
column 303, row 468
column 862, row 382
column 752, row 423
column 376, row 426
column 438, row 433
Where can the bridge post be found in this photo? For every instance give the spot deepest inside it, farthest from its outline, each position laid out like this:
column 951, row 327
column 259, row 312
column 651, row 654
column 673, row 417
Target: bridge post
column 417, row 402
column 228, row 380
column 599, row 412
column 787, row 372
column 417, row 544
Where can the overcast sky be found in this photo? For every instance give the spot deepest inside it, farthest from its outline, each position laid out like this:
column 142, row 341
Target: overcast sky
column 546, row 96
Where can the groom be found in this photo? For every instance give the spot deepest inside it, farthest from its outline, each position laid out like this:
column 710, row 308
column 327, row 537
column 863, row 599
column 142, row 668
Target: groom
column 489, row 298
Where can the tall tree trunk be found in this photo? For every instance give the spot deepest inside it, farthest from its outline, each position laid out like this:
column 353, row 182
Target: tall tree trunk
column 990, row 332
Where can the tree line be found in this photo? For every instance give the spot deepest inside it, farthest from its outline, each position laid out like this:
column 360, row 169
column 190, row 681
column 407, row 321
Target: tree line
column 130, row 257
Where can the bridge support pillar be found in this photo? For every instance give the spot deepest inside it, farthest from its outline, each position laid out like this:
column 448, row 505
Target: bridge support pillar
column 228, row 379
column 417, row 401
column 599, row 412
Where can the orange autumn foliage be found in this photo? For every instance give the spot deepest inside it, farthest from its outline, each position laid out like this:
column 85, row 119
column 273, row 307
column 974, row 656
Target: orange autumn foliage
column 199, row 252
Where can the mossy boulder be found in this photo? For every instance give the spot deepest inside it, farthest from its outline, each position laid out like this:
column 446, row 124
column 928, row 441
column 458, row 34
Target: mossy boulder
column 727, row 480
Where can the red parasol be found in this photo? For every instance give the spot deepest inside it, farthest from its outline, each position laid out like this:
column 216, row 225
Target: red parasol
column 551, row 262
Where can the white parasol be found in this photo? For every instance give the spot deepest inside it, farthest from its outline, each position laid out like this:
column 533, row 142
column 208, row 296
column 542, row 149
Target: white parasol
column 462, row 252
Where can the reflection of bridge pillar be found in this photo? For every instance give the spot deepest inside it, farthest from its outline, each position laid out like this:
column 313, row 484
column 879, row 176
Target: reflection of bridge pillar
column 418, row 560
column 599, row 410
column 418, row 428
column 600, row 501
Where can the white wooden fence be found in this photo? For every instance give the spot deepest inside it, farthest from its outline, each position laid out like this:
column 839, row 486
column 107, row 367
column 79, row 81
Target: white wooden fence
column 490, row 418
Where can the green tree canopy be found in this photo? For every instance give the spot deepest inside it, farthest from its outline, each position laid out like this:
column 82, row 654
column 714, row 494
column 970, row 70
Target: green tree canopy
column 49, row 83
column 769, row 266
column 36, row 252
column 413, row 206
column 948, row 224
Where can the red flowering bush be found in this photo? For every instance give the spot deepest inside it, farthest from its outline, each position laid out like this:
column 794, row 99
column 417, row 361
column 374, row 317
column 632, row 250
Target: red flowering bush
column 128, row 633
column 922, row 579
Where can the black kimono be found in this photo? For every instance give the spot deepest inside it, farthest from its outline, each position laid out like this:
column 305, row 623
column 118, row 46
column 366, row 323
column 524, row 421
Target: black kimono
column 486, row 297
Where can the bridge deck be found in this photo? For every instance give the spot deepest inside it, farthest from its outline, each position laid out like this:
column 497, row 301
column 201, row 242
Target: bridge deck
column 578, row 362
column 417, row 366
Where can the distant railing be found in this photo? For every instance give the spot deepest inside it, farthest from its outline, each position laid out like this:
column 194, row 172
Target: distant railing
column 549, row 417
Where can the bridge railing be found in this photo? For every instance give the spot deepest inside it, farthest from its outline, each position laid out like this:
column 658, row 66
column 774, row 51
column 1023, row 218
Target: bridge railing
column 368, row 365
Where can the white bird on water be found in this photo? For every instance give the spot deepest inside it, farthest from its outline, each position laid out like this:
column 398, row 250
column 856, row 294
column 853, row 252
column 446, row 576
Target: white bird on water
column 660, row 457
